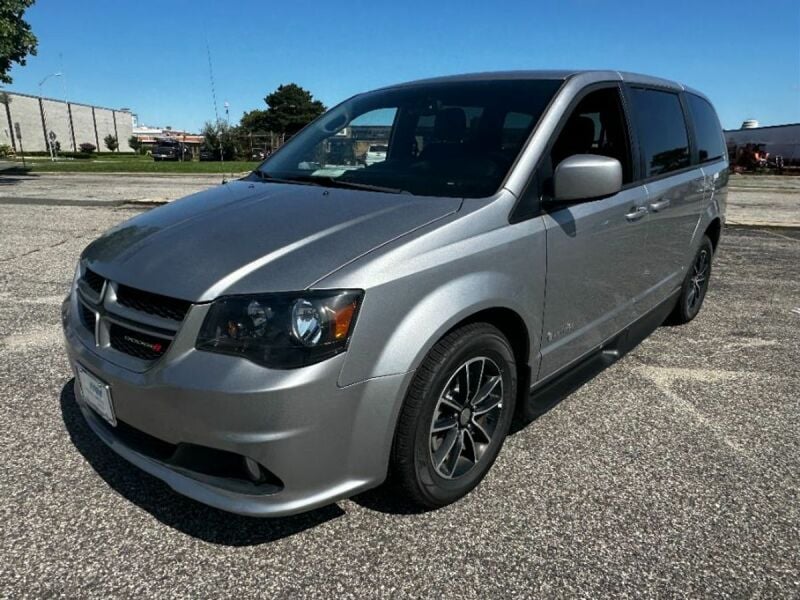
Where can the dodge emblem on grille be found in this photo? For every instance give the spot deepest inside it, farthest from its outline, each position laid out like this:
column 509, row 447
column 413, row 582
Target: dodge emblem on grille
column 156, row 347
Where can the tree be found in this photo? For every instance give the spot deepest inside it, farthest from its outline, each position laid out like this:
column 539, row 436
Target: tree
column 255, row 121
column 134, row 143
column 16, row 39
column 111, row 142
column 290, row 108
column 218, row 136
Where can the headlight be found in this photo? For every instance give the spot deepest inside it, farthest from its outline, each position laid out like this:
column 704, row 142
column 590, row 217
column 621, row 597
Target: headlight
column 281, row 331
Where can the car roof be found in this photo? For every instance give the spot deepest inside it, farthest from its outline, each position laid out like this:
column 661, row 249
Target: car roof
column 589, row 75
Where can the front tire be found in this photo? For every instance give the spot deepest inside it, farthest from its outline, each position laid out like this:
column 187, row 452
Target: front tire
column 695, row 285
column 455, row 417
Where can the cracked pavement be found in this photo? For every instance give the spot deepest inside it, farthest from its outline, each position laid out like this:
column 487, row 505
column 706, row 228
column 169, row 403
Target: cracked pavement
column 672, row 473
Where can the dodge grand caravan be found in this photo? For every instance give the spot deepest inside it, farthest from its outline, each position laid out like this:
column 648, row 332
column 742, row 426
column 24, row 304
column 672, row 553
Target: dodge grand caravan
column 314, row 329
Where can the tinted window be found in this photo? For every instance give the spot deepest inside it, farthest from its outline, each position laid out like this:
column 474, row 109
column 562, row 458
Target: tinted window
column 710, row 143
column 451, row 138
column 596, row 126
column 515, row 128
column 662, row 131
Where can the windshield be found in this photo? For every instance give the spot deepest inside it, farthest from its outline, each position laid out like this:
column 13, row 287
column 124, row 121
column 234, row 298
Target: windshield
column 454, row 139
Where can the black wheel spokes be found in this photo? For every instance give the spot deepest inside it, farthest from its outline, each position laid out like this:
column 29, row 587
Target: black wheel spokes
column 466, row 417
column 699, row 280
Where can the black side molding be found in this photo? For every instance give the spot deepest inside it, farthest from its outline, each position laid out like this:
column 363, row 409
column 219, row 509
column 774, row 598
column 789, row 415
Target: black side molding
column 547, row 394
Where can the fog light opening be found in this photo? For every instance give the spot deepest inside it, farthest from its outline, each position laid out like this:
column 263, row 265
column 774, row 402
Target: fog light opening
column 254, row 471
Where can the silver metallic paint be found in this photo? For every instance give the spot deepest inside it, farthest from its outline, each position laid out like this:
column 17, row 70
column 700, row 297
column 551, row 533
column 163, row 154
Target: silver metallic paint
column 572, row 276
column 587, row 176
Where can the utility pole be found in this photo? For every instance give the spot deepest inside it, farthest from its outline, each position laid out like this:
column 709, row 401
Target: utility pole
column 48, row 141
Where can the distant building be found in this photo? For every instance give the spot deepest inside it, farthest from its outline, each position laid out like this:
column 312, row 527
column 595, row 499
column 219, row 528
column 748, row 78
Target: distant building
column 28, row 122
column 148, row 136
column 776, row 140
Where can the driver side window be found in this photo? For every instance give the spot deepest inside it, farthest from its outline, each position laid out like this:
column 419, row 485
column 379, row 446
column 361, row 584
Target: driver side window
column 596, row 126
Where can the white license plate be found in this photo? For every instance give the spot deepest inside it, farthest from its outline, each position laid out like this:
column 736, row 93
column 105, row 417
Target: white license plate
column 96, row 394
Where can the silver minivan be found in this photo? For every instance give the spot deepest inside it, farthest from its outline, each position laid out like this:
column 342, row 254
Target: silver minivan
column 321, row 326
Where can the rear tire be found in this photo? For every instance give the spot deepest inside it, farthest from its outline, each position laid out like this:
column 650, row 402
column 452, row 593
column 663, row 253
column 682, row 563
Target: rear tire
column 455, row 417
column 695, row 285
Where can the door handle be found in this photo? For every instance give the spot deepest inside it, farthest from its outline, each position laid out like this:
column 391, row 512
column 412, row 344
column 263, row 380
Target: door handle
column 637, row 213
column 658, row 206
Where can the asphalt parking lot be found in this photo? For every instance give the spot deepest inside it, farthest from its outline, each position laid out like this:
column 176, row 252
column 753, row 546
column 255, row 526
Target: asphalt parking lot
column 673, row 473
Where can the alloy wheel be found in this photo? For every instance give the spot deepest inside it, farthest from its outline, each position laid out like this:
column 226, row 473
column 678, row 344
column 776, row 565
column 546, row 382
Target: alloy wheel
column 466, row 417
column 698, row 280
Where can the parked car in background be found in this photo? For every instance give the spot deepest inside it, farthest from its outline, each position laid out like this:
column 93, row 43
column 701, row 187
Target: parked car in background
column 207, row 154
column 296, row 337
column 169, row 149
column 375, row 154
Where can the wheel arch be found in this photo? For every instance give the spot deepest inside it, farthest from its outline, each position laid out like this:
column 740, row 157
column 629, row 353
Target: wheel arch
column 714, row 232
column 511, row 324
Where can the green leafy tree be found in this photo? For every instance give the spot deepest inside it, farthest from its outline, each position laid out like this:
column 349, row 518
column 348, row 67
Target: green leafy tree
column 290, row 108
column 255, row 121
column 218, row 137
column 134, row 143
column 111, row 142
column 16, row 38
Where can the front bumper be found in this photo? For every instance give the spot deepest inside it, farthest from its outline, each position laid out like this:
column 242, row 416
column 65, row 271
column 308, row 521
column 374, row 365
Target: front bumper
column 323, row 442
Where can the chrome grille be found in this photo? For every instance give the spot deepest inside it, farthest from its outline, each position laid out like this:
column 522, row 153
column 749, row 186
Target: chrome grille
column 135, row 323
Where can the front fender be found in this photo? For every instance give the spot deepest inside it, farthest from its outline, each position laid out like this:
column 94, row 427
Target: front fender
column 404, row 315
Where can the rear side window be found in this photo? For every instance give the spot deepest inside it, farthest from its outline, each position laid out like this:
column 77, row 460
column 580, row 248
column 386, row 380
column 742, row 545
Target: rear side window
column 710, row 143
column 663, row 139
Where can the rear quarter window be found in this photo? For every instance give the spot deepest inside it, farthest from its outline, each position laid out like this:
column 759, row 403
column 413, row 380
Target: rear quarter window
column 661, row 127
column 710, row 143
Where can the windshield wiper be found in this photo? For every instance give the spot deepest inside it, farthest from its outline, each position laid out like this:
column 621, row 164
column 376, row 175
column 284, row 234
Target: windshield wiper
column 296, row 181
column 329, row 181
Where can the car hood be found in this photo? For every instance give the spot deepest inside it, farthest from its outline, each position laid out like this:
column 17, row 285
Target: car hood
column 251, row 237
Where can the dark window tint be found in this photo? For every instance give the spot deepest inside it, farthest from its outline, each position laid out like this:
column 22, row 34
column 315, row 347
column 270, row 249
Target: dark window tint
column 451, row 138
column 710, row 144
column 515, row 129
column 596, row 126
column 662, row 131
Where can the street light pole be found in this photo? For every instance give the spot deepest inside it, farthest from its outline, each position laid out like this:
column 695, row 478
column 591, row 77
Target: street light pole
column 221, row 139
column 48, row 141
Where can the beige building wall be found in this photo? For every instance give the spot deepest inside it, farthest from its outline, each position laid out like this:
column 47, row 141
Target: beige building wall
column 56, row 117
column 26, row 112
column 5, row 132
column 83, row 122
column 105, row 126
column 124, row 130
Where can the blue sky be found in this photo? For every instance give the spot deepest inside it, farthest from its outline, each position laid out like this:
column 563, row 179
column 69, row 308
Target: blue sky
column 151, row 55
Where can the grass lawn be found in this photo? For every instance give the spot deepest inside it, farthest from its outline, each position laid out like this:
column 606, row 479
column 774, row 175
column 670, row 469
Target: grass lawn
column 122, row 163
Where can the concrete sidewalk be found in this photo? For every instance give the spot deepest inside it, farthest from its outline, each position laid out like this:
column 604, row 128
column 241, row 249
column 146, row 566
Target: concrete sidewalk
column 764, row 200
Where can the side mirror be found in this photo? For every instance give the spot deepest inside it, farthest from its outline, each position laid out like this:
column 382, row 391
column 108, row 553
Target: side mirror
column 586, row 176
